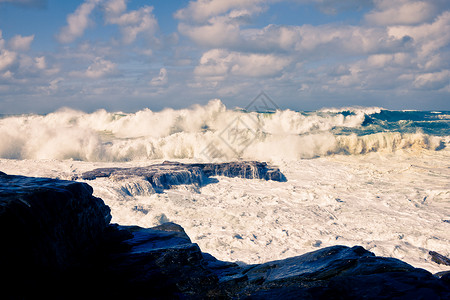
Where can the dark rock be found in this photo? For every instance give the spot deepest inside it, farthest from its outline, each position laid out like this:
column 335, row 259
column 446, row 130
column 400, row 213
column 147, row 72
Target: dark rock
column 444, row 276
column 56, row 243
column 165, row 175
column 242, row 169
column 340, row 272
column 439, row 258
column 160, row 262
column 47, row 227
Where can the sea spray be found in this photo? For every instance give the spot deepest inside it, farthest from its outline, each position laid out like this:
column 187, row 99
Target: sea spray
column 232, row 134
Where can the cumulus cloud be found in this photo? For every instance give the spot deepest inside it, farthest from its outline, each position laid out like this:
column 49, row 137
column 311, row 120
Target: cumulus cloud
column 225, row 31
column 304, row 41
column 218, row 23
column 130, row 23
column 7, row 58
column 219, row 63
column 77, row 22
column 98, row 69
column 114, row 7
column 135, row 22
column 428, row 37
column 161, row 79
column 21, row 43
column 381, row 54
column 40, row 62
column 401, row 12
column 435, row 81
column 219, row 32
column 231, row 48
column 203, row 10
column 18, row 67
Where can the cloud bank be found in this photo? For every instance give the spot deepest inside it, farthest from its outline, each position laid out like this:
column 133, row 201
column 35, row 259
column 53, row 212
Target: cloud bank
column 396, row 55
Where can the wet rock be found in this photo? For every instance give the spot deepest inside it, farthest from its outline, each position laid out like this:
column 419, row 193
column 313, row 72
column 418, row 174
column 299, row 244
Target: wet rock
column 163, row 262
column 340, row 272
column 165, row 175
column 439, row 258
column 47, row 227
column 159, row 262
column 244, row 169
column 57, row 244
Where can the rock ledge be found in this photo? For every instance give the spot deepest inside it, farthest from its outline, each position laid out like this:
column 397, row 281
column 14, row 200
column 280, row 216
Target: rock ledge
column 57, row 243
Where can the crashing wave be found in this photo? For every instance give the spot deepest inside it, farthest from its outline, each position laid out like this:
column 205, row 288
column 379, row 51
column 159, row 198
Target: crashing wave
column 213, row 132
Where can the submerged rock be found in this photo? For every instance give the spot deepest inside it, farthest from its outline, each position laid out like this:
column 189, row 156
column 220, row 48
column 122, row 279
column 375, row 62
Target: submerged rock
column 439, row 258
column 165, row 175
column 57, row 243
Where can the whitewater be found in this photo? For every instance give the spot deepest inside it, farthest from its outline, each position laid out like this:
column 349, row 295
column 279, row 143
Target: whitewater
column 355, row 176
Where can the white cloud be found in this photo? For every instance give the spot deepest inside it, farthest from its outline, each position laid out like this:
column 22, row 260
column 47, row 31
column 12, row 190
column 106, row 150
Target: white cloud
column 231, row 48
column 7, row 75
column 436, row 80
column 7, row 58
column 161, row 79
column 378, row 57
column 40, row 62
column 20, row 68
column 349, row 40
column 53, row 85
column 428, row 37
column 77, row 22
column 115, row 7
column 216, row 33
column 378, row 61
column 217, row 23
column 401, row 12
column 132, row 23
column 203, row 10
column 21, row 43
column 219, row 63
column 98, row 69
column 306, row 41
column 2, row 41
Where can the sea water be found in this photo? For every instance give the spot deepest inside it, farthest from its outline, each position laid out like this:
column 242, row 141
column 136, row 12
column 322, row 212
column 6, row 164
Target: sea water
column 355, row 176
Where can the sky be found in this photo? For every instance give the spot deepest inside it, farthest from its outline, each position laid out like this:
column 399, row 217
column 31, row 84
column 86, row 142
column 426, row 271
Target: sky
column 126, row 55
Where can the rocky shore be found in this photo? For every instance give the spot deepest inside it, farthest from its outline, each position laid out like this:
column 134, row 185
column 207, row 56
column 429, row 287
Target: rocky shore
column 58, row 243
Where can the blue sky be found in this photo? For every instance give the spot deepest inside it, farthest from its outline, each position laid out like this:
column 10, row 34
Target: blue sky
column 305, row 54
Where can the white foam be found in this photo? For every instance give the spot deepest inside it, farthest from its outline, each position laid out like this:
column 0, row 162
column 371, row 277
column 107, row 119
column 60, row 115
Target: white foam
column 186, row 133
column 394, row 204
column 386, row 191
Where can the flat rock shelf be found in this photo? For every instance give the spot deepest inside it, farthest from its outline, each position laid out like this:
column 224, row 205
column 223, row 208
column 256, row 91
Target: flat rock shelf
column 165, row 175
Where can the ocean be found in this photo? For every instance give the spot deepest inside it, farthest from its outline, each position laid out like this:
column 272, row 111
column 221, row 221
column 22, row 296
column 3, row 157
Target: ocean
column 355, row 176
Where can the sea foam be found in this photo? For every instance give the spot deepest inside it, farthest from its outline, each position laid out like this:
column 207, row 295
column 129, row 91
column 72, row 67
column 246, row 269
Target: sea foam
column 187, row 133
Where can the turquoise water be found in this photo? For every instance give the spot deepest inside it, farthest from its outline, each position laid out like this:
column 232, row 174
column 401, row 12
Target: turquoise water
column 435, row 123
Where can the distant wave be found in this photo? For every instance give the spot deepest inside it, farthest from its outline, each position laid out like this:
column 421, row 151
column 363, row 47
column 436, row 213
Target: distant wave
column 214, row 132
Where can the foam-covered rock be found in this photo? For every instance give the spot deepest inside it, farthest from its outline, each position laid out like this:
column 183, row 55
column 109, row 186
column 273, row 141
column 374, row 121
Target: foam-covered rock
column 165, row 175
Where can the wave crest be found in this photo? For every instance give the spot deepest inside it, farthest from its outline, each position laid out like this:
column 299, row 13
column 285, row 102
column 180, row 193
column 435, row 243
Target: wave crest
column 186, row 133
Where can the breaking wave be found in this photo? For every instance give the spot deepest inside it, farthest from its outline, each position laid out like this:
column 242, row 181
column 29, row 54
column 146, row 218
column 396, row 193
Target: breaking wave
column 214, row 132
